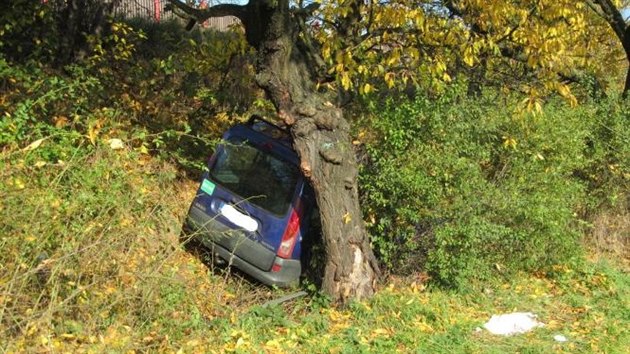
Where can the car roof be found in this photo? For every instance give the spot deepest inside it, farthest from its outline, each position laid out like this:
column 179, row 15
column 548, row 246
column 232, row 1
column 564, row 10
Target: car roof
column 266, row 136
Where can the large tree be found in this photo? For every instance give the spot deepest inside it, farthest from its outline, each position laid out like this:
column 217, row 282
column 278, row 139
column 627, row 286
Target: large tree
column 305, row 50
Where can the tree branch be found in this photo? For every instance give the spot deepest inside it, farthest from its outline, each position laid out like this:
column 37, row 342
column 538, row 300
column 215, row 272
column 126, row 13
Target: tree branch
column 614, row 18
column 596, row 9
column 201, row 15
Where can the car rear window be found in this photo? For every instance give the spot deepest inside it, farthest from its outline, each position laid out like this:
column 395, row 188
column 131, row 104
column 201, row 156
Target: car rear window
column 256, row 175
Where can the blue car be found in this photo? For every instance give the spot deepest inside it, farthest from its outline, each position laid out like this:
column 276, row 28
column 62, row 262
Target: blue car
column 253, row 206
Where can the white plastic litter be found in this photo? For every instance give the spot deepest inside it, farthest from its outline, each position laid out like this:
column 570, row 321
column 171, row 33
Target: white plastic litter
column 512, row 323
column 116, row 144
column 560, row 338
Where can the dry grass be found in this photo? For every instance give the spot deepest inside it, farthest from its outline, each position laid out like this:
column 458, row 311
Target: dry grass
column 91, row 249
column 610, row 236
column 92, row 262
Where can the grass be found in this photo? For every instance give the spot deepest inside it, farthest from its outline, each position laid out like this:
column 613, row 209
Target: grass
column 91, row 262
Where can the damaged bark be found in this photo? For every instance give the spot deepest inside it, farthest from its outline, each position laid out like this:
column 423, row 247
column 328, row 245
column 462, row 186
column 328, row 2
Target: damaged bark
column 287, row 70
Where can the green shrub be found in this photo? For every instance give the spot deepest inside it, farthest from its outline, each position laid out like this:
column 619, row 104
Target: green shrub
column 468, row 190
column 28, row 30
column 165, row 94
column 35, row 102
column 607, row 148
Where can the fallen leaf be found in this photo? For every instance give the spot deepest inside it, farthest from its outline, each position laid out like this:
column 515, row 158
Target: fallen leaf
column 34, row 145
column 61, row 121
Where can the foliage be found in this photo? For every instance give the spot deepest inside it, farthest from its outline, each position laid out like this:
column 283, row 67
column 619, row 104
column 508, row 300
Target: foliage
column 159, row 101
column 35, row 103
column 612, row 12
column 470, row 190
column 607, row 148
column 92, row 256
column 101, row 269
column 27, row 29
column 535, row 47
column 90, row 219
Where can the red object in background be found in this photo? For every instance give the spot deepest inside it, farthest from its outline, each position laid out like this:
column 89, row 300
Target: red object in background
column 204, row 5
column 156, row 8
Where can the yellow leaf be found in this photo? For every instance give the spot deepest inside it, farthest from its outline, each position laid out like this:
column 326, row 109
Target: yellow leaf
column 34, row 145
column 389, row 79
column 509, row 142
column 380, row 331
column 93, row 134
column 346, row 218
column 564, row 90
column 18, row 183
column 469, row 57
column 326, row 52
column 345, row 81
column 61, row 121
column 273, row 344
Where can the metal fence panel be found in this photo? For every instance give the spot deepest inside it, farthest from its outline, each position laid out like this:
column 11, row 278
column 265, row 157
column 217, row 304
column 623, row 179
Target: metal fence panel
column 154, row 10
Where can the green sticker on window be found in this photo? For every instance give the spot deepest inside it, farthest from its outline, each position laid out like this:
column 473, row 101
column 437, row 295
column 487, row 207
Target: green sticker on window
column 207, row 187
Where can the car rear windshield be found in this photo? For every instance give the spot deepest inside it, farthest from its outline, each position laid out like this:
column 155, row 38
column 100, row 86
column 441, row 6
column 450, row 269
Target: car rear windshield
column 256, row 175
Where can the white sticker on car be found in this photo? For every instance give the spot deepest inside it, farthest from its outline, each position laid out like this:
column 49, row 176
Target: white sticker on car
column 237, row 218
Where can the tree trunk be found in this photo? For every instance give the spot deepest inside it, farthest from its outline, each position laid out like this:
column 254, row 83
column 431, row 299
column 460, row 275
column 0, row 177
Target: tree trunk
column 328, row 160
column 322, row 140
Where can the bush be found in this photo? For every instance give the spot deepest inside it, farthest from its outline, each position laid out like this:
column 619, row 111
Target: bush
column 469, row 190
column 161, row 90
column 28, row 30
column 90, row 245
column 607, row 148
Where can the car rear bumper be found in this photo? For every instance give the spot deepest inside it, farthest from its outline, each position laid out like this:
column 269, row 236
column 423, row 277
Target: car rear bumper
column 238, row 250
column 288, row 273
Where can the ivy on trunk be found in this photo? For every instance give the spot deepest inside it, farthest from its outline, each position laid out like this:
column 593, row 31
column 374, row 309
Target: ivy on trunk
column 287, row 69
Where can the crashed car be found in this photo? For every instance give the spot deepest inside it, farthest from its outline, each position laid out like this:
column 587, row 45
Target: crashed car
column 253, row 206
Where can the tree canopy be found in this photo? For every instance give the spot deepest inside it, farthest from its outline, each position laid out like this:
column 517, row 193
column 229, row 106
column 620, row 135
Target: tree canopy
column 535, row 47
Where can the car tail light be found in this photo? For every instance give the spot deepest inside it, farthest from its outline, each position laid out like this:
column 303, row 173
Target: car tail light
column 289, row 238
